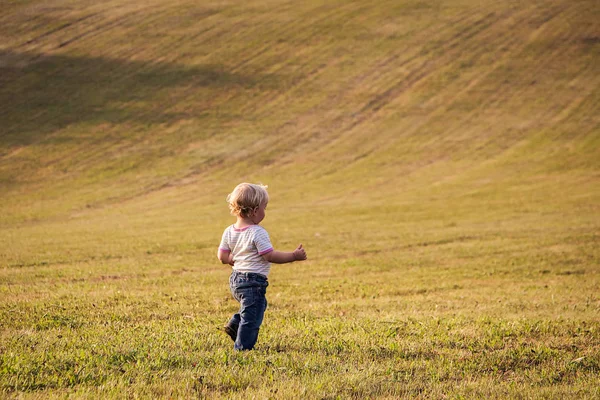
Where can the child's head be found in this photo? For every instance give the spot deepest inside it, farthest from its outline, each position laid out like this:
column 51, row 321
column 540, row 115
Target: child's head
column 246, row 197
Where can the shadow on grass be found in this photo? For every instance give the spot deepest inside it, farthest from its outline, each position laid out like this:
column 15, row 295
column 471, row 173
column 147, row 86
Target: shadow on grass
column 40, row 94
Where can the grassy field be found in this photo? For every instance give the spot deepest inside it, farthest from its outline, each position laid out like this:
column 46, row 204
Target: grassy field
column 440, row 162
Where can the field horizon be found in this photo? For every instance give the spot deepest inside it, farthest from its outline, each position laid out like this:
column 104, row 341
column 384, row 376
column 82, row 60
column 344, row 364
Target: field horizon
column 438, row 160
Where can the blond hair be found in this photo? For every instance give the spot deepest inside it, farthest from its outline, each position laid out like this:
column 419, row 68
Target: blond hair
column 246, row 197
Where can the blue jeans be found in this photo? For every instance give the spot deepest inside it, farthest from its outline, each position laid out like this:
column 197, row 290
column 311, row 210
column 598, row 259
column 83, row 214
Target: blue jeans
column 250, row 290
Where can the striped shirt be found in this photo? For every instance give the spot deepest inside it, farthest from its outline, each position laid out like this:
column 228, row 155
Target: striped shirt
column 248, row 244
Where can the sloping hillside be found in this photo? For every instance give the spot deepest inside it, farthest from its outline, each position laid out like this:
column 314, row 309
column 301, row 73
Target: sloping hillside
column 105, row 103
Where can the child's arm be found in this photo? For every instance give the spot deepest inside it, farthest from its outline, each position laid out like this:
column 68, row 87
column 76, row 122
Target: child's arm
column 281, row 257
column 226, row 257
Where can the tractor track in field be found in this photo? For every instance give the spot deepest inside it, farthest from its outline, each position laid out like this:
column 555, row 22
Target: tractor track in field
column 495, row 101
column 418, row 69
column 422, row 69
column 60, row 28
column 259, row 53
column 380, row 69
column 419, row 72
column 98, row 152
column 99, row 29
column 513, row 47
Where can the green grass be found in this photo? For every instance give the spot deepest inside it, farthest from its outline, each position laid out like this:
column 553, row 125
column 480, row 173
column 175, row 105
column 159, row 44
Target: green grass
column 438, row 160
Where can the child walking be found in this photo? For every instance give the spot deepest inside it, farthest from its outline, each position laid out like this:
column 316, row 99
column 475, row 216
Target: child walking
column 246, row 246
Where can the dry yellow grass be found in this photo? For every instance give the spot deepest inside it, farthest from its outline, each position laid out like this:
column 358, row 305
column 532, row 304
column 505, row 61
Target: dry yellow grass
column 439, row 161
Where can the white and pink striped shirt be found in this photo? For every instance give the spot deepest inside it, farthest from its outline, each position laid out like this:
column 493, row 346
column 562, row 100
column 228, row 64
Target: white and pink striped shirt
column 248, row 244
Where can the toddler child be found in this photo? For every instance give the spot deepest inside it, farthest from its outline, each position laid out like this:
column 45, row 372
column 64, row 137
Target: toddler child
column 247, row 248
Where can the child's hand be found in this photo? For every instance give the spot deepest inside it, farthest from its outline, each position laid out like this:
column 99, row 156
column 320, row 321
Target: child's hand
column 299, row 253
column 231, row 259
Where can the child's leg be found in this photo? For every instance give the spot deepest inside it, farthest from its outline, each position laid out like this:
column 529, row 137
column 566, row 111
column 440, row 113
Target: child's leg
column 253, row 304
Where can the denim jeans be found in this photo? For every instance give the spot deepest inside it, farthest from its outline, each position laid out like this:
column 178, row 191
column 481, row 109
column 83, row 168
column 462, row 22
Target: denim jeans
column 249, row 290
